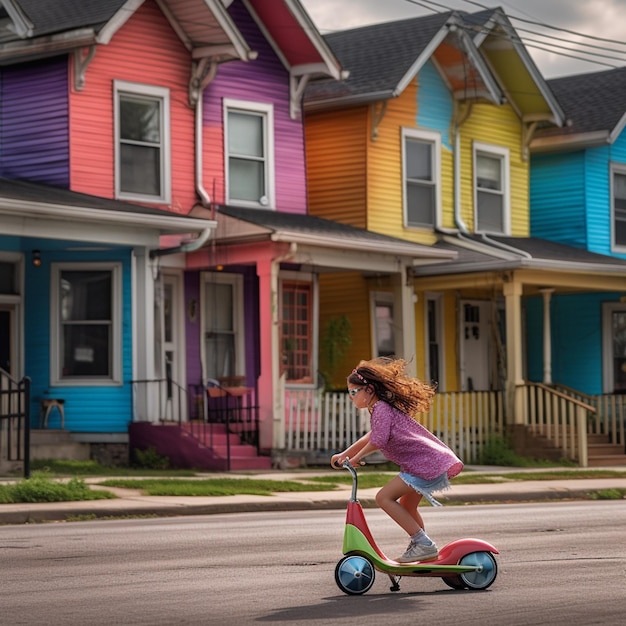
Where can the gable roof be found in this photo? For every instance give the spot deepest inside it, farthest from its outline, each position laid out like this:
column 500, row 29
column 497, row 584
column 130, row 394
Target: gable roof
column 31, row 29
column 468, row 49
column 595, row 104
column 244, row 225
column 477, row 253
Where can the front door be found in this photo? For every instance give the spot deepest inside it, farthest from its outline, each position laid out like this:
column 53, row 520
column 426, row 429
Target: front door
column 614, row 340
column 172, row 357
column 475, row 345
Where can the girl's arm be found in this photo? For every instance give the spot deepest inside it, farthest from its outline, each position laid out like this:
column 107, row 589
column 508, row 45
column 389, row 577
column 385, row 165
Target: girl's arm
column 337, row 459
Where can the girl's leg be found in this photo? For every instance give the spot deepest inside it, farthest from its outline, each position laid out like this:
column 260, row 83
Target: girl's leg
column 410, row 502
column 392, row 498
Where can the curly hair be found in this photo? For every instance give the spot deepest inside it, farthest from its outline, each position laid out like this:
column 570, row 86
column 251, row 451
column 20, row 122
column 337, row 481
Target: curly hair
column 387, row 377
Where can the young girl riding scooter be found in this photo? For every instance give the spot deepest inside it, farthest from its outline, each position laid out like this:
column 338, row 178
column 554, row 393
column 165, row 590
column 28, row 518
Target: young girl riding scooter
column 426, row 463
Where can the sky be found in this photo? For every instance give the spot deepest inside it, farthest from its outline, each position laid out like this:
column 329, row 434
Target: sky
column 585, row 35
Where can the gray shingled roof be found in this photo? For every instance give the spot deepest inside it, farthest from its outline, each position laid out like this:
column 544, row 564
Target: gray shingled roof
column 377, row 56
column 593, row 102
column 532, row 253
column 55, row 16
column 295, row 223
column 37, row 193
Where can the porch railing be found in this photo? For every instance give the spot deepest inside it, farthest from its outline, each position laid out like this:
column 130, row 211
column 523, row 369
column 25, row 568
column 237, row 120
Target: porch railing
column 14, row 423
column 610, row 414
column 561, row 418
column 318, row 422
column 205, row 413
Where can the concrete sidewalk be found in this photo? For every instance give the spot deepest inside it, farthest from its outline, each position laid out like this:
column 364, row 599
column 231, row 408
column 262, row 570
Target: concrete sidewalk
column 131, row 503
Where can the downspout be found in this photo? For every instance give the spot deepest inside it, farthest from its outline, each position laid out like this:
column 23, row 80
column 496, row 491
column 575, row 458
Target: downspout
column 458, row 121
column 196, row 89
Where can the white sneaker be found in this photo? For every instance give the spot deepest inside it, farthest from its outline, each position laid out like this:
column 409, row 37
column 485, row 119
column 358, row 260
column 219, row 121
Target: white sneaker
column 418, row 552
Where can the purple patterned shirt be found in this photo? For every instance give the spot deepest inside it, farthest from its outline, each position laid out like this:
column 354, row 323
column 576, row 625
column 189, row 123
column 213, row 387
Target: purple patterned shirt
column 407, row 443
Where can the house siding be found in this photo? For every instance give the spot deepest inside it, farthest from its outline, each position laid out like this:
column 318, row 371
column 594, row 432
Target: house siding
column 89, row 408
column 497, row 126
column 558, row 210
column 144, row 51
column 336, row 145
column 34, row 123
column 263, row 80
column 578, row 331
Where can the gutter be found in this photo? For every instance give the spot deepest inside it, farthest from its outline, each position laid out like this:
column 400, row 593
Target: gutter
column 197, row 88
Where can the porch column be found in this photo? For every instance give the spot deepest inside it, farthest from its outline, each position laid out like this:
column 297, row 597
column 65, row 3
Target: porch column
column 144, row 339
column 514, row 377
column 404, row 314
column 547, row 335
column 270, row 416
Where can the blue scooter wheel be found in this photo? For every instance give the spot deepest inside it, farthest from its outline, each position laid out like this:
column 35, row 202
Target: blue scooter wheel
column 354, row 574
column 485, row 572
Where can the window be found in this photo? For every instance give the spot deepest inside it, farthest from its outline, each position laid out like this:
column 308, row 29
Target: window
column 420, row 174
column 614, row 347
column 618, row 217
column 249, row 153
column 86, row 324
column 383, row 328
column 433, row 339
column 297, row 331
column 142, row 159
column 491, row 180
column 222, row 303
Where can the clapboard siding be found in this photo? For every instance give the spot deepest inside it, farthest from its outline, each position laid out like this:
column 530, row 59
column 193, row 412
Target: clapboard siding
column 91, row 408
column 264, row 80
column 558, row 208
column 144, row 51
column 336, row 145
column 500, row 127
column 34, row 122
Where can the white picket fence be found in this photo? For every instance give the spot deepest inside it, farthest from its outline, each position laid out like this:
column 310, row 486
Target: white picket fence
column 317, row 422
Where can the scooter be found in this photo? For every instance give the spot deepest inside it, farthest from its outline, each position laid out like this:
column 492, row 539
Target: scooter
column 461, row 564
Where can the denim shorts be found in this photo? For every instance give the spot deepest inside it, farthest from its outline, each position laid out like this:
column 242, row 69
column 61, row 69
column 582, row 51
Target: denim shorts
column 427, row 487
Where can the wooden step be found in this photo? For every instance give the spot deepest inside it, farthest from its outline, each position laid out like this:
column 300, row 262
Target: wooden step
column 607, row 460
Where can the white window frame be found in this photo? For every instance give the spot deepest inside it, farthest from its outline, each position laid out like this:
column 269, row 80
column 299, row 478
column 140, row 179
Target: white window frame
column 503, row 155
column 266, row 111
column 56, row 377
column 376, row 298
column 619, row 248
column 162, row 94
column 304, row 277
column 434, row 139
column 236, row 281
column 608, row 308
column 437, row 298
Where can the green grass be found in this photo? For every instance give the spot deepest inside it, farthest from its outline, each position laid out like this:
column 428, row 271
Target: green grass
column 214, row 486
column 61, row 468
column 40, row 488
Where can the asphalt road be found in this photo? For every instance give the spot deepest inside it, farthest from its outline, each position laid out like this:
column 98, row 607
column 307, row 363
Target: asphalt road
column 560, row 563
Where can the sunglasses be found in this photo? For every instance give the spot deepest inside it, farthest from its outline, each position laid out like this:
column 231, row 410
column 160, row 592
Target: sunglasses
column 354, row 391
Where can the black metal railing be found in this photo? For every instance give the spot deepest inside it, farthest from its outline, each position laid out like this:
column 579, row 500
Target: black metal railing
column 215, row 415
column 15, row 421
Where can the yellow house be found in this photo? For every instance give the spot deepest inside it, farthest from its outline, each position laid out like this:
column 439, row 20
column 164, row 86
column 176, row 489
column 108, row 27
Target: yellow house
column 427, row 140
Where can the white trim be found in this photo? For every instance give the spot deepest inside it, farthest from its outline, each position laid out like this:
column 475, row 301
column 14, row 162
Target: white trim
column 434, row 140
column 503, row 155
column 239, row 329
column 437, row 298
column 266, row 112
column 305, row 277
column 616, row 168
column 376, row 298
column 152, row 92
column 608, row 308
column 116, row 347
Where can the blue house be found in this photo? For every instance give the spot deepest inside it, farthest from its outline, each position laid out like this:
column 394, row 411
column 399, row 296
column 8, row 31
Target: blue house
column 578, row 198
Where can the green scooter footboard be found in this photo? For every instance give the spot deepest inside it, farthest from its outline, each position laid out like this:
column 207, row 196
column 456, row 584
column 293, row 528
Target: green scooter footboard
column 355, row 542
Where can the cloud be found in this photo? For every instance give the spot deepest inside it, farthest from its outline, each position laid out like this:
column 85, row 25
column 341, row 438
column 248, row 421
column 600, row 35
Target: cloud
column 598, row 18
